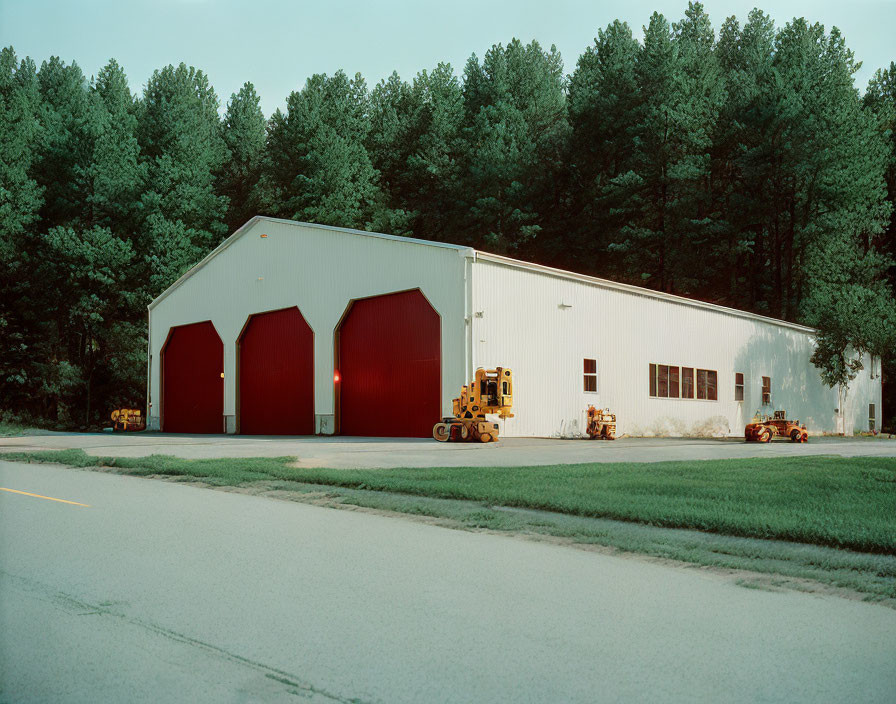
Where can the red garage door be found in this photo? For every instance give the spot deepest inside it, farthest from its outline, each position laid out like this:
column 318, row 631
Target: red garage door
column 193, row 386
column 277, row 375
column 389, row 352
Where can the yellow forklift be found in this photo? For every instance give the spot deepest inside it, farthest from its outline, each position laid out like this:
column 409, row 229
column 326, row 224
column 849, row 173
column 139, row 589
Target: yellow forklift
column 490, row 393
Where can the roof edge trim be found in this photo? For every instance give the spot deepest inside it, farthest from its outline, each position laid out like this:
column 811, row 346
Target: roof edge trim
column 259, row 218
column 638, row 290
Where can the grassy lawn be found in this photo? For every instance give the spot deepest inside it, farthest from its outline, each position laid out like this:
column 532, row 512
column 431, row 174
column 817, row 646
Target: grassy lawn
column 839, row 502
column 791, row 522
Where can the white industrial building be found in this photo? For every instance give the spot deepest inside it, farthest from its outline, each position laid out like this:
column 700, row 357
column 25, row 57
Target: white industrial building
column 296, row 328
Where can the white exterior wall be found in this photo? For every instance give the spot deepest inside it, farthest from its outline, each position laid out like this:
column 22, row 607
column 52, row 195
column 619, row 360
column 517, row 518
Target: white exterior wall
column 320, row 270
column 520, row 320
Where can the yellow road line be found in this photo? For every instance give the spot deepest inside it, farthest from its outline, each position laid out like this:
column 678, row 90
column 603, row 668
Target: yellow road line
column 39, row 496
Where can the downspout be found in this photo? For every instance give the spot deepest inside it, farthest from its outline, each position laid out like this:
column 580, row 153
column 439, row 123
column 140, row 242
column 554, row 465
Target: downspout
column 148, row 366
column 469, row 256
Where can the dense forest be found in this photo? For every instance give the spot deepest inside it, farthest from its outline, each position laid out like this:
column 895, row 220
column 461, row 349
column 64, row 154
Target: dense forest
column 741, row 166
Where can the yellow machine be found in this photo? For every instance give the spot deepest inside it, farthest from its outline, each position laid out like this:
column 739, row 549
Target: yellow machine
column 128, row 419
column 490, row 393
column 601, row 424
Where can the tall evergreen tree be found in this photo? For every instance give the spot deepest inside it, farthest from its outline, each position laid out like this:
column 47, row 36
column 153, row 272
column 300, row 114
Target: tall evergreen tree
column 880, row 100
column 434, row 163
column 69, row 131
column 317, row 165
column 649, row 241
column 603, row 96
column 20, row 203
column 516, row 129
column 244, row 135
column 745, row 57
column 695, row 210
column 180, row 138
column 116, row 176
column 416, row 143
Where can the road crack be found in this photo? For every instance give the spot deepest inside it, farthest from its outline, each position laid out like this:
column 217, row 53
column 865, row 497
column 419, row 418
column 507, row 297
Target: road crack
column 294, row 684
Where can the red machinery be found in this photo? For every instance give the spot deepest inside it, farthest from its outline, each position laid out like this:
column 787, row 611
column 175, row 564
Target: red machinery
column 764, row 428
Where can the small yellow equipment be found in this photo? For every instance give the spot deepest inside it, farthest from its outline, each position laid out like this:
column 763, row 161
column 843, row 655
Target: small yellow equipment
column 490, row 393
column 601, row 424
column 128, row 419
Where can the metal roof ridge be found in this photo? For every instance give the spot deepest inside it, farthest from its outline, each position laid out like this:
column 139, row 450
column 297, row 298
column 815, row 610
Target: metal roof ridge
column 639, row 290
column 366, row 233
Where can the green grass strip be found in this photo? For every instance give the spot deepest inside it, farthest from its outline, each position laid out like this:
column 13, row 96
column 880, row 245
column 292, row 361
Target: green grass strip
column 842, row 502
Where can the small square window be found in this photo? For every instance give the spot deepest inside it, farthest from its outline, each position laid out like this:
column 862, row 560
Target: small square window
column 766, row 391
column 738, row 387
column 872, row 421
column 590, row 375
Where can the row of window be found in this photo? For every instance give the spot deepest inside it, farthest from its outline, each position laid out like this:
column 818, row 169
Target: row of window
column 669, row 381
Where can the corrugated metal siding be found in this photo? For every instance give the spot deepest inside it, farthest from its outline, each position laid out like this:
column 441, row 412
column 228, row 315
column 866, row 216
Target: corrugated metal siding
column 277, row 375
column 389, row 361
column 544, row 326
column 194, row 390
column 320, row 271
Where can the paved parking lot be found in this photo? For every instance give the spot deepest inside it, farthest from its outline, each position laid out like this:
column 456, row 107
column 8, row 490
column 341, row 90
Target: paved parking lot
column 398, row 452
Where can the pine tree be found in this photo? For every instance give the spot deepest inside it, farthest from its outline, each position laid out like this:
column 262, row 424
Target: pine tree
column 317, row 165
column 415, row 143
column 433, row 171
column 695, row 210
column 116, row 176
column 244, row 135
column 70, row 125
column 516, row 130
column 603, row 96
column 20, row 203
column 649, row 241
column 180, row 137
column 880, row 100
column 88, row 270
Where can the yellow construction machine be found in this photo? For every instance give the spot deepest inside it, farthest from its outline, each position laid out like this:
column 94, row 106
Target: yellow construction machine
column 601, row 424
column 124, row 419
column 490, row 393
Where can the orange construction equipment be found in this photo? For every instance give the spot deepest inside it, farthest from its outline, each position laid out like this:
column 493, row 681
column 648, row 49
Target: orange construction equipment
column 601, row 424
column 764, row 428
column 490, row 393
column 128, row 419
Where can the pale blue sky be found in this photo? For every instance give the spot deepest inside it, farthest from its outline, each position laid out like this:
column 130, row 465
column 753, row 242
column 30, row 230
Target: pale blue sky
column 276, row 44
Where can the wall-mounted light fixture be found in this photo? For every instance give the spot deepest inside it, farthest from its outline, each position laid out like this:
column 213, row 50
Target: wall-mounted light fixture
column 564, row 306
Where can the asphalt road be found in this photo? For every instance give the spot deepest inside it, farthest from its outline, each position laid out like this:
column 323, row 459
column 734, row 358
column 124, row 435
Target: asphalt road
column 347, row 452
column 156, row 591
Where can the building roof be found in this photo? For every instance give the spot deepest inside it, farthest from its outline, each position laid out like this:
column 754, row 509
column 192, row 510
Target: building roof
column 259, row 218
column 494, row 258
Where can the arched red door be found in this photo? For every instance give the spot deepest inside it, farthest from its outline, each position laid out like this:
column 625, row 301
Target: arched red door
column 389, row 365
column 276, row 374
column 192, row 380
